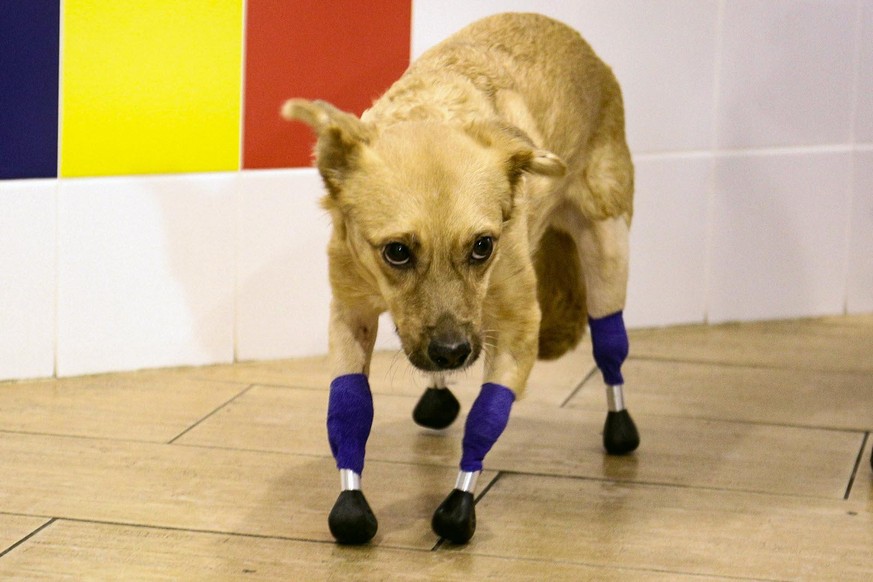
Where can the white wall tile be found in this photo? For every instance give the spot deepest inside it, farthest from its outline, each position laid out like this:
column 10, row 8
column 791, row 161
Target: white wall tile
column 27, row 278
column 860, row 292
column 668, row 241
column 662, row 51
column 283, row 290
column 787, row 72
column 146, row 275
column 864, row 109
column 779, row 236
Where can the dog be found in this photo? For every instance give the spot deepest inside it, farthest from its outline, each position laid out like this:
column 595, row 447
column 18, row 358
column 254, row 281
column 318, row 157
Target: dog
column 485, row 201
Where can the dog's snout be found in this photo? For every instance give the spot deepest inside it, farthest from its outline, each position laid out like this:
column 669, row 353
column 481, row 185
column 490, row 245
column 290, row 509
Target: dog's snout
column 448, row 353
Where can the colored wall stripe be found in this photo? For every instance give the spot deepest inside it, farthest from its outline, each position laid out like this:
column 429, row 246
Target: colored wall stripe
column 151, row 87
column 29, row 88
column 344, row 51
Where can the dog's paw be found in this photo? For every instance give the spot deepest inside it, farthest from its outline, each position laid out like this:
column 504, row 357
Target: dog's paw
column 351, row 520
column 620, row 435
column 455, row 518
column 437, row 408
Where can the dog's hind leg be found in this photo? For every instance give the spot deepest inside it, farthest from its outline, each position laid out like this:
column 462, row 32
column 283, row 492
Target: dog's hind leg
column 437, row 408
column 603, row 253
column 350, row 418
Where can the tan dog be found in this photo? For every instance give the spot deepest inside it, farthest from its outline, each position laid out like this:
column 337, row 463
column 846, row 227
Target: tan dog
column 484, row 201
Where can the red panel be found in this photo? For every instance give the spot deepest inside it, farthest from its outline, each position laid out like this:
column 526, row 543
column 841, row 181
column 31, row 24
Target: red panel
column 343, row 51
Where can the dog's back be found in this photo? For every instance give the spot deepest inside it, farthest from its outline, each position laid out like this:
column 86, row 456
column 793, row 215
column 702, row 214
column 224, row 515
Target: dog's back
column 539, row 75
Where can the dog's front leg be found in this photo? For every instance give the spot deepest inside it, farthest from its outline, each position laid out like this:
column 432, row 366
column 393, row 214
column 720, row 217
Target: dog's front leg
column 352, row 334
column 512, row 320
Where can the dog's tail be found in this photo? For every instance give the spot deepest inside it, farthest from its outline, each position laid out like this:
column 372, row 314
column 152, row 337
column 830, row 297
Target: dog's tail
column 561, row 294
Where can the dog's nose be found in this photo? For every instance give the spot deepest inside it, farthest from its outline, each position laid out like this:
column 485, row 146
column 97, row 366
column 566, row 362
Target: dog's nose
column 449, row 354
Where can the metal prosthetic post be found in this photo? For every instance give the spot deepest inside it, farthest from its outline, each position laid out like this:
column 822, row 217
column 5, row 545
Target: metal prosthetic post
column 349, row 420
column 437, row 408
column 609, row 336
column 455, row 518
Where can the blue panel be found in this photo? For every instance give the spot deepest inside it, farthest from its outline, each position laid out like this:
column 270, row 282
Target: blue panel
column 29, row 41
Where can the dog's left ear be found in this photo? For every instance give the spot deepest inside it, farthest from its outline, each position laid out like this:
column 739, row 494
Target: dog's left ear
column 534, row 161
column 521, row 155
column 341, row 138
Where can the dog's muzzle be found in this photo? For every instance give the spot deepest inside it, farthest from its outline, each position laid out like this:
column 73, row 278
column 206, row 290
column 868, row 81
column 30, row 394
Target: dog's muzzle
column 445, row 346
column 449, row 351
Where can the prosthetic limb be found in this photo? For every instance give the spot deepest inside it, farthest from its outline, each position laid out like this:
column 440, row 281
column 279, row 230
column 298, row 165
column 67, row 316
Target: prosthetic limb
column 610, row 341
column 603, row 253
column 437, row 408
column 455, row 518
column 349, row 420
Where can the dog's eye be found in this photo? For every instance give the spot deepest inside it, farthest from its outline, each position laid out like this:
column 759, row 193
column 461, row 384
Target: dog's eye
column 482, row 249
column 397, row 254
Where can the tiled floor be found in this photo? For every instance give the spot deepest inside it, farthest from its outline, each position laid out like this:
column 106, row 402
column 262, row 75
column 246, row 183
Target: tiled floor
column 755, row 464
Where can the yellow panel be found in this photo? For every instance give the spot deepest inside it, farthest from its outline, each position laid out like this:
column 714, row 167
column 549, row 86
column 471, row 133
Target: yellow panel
column 151, row 86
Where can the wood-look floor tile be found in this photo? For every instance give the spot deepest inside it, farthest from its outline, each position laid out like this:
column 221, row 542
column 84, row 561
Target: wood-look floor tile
column 673, row 529
column 139, row 406
column 777, row 396
column 91, row 551
column 293, row 421
column 209, row 489
column 14, row 528
column 681, row 451
column 543, row 439
column 839, row 344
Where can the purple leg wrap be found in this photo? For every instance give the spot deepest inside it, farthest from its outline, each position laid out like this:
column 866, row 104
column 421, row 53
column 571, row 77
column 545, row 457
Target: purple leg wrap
column 485, row 423
column 349, row 420
column 610, row 346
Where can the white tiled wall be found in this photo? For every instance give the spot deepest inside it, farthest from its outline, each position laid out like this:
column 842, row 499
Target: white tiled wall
column 779, row 235
column 281, row 269
column 145, row 272
column 860, row 292
column 786, row 75
column 751, row 123
column 27, row 278
column 864, row 95
column 669, row 241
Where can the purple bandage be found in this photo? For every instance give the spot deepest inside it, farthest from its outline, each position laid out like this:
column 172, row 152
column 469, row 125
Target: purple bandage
column 485, row 423
column 349, row 420
column 610, row 346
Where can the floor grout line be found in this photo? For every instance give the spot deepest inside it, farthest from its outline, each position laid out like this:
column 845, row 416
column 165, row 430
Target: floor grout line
column 400, row 548
column 579, row 386
column 210, row 415
column 28, row 537
column 858, row 461
column 748, row 365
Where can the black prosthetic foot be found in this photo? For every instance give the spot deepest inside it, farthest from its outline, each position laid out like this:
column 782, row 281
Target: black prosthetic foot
column 620, row 435
column 437, row 408
column 455, row 518
column 351, row 520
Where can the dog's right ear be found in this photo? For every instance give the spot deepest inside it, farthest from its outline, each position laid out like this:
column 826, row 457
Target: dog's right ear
column 341, row 138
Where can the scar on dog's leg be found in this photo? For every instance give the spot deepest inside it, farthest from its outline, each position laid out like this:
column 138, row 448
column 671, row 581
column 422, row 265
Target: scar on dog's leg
column 437, row 408
column 603, row 252
column 350, row 418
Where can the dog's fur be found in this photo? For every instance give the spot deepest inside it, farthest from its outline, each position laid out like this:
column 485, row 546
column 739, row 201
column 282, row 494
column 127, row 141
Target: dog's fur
column 511, row 130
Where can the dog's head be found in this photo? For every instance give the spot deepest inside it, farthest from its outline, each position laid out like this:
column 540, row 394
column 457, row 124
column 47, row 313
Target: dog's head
column 423, row 208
